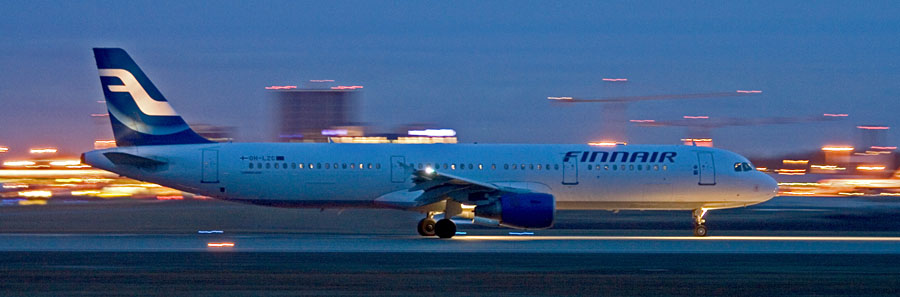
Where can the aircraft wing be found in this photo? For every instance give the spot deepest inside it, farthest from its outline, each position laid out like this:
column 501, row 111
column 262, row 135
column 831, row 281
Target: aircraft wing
column 432, row 186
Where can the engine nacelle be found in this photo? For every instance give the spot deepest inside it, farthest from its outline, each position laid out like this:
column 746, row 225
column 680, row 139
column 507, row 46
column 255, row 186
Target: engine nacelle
column 515, row 210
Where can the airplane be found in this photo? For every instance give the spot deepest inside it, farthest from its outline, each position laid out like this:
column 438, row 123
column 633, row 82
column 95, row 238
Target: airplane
column 511, row 185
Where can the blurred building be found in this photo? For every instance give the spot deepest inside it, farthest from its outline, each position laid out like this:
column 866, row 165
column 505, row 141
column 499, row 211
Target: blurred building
column 215, row 133
column 304, row 114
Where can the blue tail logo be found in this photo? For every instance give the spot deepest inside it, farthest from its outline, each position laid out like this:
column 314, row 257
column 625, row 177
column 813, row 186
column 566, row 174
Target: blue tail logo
column 139, row 113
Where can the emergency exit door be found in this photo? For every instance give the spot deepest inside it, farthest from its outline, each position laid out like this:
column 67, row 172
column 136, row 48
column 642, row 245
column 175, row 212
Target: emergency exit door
column 570, row 171
column 210, row 166
column 398, row 173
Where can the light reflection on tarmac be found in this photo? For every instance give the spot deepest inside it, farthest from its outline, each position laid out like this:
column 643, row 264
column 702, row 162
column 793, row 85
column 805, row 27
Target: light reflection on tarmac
column 460, row 244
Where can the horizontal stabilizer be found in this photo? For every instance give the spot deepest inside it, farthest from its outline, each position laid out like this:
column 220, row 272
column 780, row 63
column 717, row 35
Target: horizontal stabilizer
column 132, row 160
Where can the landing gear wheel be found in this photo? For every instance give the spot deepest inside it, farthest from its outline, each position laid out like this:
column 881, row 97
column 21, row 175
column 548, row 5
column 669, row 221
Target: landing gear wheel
column 445, row 228
column 426, row 227
column 699, row 227
column 700, row 230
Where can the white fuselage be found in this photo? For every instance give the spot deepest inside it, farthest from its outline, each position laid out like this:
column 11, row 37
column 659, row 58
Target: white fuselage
column 356, row 175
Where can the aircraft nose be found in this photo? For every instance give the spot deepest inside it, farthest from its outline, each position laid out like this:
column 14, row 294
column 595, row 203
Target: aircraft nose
column 768, row 186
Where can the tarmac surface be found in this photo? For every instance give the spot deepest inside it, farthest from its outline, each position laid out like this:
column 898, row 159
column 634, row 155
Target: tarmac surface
column 788, row 246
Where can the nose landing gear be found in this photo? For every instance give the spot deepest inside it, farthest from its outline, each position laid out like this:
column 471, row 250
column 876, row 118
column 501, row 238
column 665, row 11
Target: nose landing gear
column 699, row 227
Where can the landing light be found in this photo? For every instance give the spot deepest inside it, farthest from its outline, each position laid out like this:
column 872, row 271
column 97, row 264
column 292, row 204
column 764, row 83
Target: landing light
column 429, row 170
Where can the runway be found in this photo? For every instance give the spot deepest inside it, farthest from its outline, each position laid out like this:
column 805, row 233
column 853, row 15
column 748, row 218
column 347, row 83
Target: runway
column 306, row 243
column 788, row 246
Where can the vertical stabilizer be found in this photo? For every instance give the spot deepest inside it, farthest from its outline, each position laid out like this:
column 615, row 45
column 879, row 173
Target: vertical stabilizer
column 138, row 112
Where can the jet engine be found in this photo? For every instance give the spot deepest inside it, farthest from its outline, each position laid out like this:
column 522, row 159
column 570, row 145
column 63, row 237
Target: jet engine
column 518, row 210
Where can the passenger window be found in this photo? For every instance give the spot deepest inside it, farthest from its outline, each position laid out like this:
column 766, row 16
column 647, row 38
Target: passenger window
column 327, row 165
column 639, row 167
column 605, row 167
column 480, row 167
column 344, row 166
column 268, row 165
column 505, row 166
column 470, row 166
column 319, row 165
column 531, row 166
column 259, row 165
column 523, row 166
column 665, row 167
column 369, row 165
column 515, row 166
column 630, row 167
column 360, row 165
column 378, row 166
column 656, row 167
column 493, row 166
column 251, row 165
column 300, row 165
column 589, row 167
column 284, row 165
column 276, row 165
column 615, row 167
column 452, row 166
column 555, row 166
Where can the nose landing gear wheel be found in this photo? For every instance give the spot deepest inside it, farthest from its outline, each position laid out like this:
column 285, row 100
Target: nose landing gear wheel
column 445, row 228
column 700, row 230
column 699, row 227
column 426, row 227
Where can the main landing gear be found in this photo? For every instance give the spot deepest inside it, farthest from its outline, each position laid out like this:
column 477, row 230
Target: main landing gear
column 443, row 228
column 699, row 227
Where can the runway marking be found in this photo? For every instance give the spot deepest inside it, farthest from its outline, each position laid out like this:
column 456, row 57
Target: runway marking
column 693, row 238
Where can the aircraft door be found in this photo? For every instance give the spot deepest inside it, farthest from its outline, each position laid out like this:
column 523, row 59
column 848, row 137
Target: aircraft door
column 210, row 169
column 707, row 168
column 398, row 173
column 570, row 171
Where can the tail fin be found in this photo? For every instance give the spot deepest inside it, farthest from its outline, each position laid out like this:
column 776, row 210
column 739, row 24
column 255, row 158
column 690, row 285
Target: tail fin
column 139, row 113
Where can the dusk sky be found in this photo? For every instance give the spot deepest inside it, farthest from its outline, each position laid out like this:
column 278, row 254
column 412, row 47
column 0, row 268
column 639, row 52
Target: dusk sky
column 484, row 68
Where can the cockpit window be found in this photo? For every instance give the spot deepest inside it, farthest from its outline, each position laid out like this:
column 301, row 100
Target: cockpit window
column 742, row 166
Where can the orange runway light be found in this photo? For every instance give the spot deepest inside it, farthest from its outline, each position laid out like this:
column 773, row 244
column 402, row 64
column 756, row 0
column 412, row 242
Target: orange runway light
column 607, row 143
column 280, row 87
column 695, row 117
column 883, row 147
column 346, row 87
column 169, row 197
column 18, row 163
column 870, row 167
column 48, row 150
column 837, row 148
column 827, row 167
column 794, row 161
column 3, row 149
column 220, row 244
column 873, row 127
column 65, row 163
column 560, row 98
column 642, row 121
column 791, row 171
